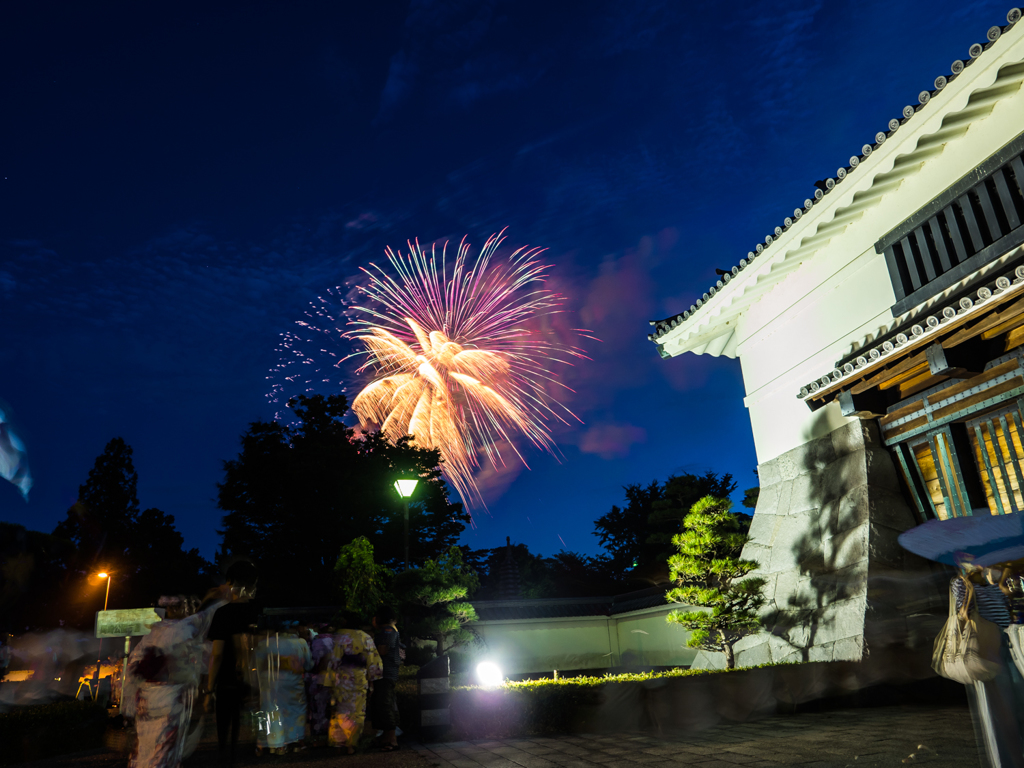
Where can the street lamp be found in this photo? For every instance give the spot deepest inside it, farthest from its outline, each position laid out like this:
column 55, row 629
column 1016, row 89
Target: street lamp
column 99, row 660
column 405, row 487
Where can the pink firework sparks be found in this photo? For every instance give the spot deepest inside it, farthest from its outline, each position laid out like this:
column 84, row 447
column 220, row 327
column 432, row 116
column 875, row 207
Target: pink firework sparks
column 457, row 355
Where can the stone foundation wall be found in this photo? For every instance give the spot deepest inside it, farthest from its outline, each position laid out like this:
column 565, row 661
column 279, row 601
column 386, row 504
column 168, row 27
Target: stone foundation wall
column 839, row 586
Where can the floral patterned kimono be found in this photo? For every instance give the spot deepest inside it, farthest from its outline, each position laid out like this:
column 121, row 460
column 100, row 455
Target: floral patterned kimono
column 353, row 664
column 319, row 694
column 281, row 664
column 160, row 689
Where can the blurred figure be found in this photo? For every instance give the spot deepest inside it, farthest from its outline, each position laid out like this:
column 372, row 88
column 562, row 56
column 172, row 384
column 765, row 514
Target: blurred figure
column 383, row 706
column 998, row 705
column 162, row 682
column 13, row 458
column 319, row 693
column 282, row 659
column 353, row 664
column 229, row 668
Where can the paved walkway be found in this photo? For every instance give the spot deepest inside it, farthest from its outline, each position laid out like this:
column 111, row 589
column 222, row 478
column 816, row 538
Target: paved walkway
column 856, row 738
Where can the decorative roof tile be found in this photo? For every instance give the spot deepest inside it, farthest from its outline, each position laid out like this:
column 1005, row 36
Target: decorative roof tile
column 663, row 326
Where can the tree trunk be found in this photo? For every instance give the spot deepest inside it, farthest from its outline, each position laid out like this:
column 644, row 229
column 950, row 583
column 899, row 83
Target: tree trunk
column 730, row 659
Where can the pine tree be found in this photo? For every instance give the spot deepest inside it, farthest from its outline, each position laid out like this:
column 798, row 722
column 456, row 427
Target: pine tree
column 709, row 574
column 435, row 596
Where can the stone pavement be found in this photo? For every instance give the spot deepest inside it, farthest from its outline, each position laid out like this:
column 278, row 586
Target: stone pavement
column 854, row 738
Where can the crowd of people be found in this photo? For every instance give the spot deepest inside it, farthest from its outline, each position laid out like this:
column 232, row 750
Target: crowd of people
column 304, row 686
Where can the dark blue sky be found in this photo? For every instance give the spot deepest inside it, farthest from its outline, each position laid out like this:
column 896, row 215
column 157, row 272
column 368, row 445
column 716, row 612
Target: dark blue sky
column 178, row 182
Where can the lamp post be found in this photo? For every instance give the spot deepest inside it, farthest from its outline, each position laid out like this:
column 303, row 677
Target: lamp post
column 405, row 488
column 99, row 660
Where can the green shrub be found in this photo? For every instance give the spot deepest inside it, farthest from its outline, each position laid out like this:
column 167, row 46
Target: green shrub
column 31, row 733
column 545, row 706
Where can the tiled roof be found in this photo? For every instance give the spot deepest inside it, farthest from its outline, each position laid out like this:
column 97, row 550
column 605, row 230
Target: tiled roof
column 558, row 608
column 822, row 188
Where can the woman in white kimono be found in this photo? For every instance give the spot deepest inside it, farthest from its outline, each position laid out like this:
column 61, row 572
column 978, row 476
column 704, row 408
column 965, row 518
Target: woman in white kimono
column 282, row 659
column 163, row 678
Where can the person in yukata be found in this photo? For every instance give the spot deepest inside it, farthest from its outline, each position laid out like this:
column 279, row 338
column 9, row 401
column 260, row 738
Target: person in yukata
column 162, row 682
column 997, row 706
column 383, row 707
column 229, row 678
column 282, row 659
column 319, row 694
column 353, row 664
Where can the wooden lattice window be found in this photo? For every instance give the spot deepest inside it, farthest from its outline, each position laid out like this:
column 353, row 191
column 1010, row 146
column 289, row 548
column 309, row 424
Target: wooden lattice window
column 930, row 466
column 996, row 442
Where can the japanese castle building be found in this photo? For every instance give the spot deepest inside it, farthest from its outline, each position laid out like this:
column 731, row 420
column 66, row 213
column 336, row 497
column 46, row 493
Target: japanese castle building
column 880, row 331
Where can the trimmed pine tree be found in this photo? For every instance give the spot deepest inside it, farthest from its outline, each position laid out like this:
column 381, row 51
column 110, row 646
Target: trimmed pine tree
column 710, row 575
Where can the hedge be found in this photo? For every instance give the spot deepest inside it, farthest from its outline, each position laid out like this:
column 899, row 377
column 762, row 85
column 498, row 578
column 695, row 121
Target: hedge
column 31, row 733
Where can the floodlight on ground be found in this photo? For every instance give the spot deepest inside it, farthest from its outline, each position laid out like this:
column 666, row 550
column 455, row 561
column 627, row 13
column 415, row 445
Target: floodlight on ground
column 489, row 675
column 102, row 575
column 406, row 486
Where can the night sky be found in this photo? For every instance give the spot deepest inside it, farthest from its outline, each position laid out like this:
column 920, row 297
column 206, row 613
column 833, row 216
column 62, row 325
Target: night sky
column 180, row 181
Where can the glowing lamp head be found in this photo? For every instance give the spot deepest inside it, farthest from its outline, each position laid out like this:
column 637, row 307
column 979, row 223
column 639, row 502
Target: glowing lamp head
column 102, row 575
column 489, row 674
column 405, row 487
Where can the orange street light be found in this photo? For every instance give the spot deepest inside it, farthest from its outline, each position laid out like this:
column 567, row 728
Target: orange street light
column 105, row 575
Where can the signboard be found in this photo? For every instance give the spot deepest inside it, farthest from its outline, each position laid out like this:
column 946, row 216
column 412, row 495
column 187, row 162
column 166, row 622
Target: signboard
column 125, row 622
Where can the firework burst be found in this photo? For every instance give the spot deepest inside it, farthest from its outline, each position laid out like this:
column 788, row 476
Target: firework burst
column 457, row 358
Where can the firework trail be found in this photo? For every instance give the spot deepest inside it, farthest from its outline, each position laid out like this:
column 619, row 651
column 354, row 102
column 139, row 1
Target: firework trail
column 456, row 355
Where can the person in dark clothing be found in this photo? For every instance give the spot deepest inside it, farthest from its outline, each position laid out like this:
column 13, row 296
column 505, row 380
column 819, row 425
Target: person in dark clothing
column 228, row 681
column 382, row 701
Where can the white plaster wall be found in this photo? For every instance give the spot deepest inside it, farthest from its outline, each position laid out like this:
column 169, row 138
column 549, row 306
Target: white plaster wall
column 589, row 642
column 840, row 298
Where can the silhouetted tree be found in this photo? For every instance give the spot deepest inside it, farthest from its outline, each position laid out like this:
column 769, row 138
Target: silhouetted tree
column 297, row 493
column 143, row 552
column 32, row 567
column 638, row 537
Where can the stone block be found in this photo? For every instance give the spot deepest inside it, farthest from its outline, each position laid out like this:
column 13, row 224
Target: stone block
column 890, row 509
column 852, row 581
column 846, row 548
column 794, row 591
column 883, row 546
column 762, row 529
column 848, row 511
column 881, row 470
column 768, row 474
column 795, row 656
column 780, row 647
column 784, row 496
column 821, row 652
column 791, row 464
column 798, row 534
column 819, row 453
column 768, row 501
column 848, row 439
column 760, row 554
column 806, row 493
column 842, row 476
column 843, row 618
column 849, row 648
column 750, row 657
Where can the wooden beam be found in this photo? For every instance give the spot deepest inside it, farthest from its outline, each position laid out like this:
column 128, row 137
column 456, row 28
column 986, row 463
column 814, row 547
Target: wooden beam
column 913, row 373
column 990, row 321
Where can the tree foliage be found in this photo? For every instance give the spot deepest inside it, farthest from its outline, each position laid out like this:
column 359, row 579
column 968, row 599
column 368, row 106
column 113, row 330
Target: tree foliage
column 297, row 493
column 435, row 598
column 639, row 535
column 364, row 583
column 104, row 530
column 709, row 574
